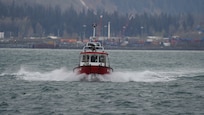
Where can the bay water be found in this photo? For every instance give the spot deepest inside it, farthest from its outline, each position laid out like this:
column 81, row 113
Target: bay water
column 42, row 81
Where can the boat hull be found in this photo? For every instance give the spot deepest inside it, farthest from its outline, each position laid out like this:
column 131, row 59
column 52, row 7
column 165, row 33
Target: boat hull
column 93, row 70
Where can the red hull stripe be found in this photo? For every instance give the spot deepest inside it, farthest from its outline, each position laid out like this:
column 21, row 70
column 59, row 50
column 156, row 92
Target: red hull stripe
column 93, row 70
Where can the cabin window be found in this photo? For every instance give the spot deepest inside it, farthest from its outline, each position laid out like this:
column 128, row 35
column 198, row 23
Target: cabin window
column 85, row 58
column 94, row 58
column 102, row 59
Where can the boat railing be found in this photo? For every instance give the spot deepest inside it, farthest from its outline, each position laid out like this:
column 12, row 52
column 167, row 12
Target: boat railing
column 93, row 46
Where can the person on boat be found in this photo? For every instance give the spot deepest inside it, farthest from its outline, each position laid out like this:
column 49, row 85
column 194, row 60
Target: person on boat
column 85, row 58
column 94, row 58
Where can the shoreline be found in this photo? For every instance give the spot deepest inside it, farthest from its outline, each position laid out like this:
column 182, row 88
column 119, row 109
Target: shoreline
column 118, row 48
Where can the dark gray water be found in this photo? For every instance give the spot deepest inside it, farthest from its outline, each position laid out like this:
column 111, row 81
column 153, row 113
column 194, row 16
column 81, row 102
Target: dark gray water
column 143, row 83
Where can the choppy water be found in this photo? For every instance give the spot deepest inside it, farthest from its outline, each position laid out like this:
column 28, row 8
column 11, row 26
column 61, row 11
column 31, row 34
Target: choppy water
column 144, row 82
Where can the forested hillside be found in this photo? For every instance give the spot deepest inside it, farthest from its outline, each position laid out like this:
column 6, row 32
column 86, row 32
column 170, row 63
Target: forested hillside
column 42, row 18
column 123, row 6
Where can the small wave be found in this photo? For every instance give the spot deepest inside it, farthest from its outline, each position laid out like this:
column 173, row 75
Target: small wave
column 144, row 76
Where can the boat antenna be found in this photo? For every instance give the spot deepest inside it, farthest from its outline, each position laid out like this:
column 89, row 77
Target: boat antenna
column 94, row 32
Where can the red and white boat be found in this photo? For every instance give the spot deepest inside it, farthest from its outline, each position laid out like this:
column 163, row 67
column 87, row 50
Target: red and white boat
column 93, row 60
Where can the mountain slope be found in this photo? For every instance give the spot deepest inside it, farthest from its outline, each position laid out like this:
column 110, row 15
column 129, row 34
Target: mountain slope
column 124, row 6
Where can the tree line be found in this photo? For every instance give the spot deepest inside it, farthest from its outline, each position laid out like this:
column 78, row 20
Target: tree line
column 37, row 21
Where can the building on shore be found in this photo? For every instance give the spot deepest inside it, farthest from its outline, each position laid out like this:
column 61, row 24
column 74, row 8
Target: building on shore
column 1, row 35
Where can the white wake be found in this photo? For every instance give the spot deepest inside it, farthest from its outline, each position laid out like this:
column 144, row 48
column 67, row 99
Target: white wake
column 63, row 74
